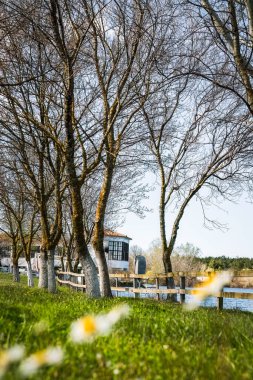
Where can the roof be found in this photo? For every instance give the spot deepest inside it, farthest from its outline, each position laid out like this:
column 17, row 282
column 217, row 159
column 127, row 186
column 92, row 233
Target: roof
column 115, row 234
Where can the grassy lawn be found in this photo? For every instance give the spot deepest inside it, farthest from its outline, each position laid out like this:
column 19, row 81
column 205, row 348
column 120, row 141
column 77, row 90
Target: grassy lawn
column 157, row 341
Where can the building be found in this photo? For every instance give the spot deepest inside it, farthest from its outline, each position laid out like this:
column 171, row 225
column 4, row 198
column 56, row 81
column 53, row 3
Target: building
column 116, row 248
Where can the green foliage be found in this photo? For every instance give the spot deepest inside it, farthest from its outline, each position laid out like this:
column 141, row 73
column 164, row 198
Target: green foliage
column 158, row 341
column 223, row 262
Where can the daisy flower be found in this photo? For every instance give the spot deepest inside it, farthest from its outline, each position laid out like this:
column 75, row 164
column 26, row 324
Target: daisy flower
column 210, row 287
column 89, row 327
column 49, row 356
column 9, row 356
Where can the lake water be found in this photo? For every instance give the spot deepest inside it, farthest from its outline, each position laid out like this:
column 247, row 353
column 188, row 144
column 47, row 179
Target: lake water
column 229, row 303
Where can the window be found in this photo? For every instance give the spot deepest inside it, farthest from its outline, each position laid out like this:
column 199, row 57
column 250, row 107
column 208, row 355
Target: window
column 118, row 250
column 125, row 251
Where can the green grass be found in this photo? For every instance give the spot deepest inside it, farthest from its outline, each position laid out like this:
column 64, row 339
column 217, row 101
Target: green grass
column 157, row 341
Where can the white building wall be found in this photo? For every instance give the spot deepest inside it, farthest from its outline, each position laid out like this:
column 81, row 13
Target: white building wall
column 116, row 264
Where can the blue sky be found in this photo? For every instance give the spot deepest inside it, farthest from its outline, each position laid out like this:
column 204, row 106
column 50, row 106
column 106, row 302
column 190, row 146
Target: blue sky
column 236, row 241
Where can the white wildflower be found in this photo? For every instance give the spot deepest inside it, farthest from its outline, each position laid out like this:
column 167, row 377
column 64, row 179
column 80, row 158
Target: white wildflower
column 84, row 329
column 117, row 313
column 89, row 327
column 49, row 356
column 13, row 354
column 116, row 371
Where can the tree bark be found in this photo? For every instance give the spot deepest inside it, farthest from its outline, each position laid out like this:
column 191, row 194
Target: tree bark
column 51, row 271
column 15, row 269
column 43, row 276
column 168, row 269
column 166, row 250
column 62, row 264
column 76, row 263
column 91, row 277
column 104, row 278
column 89, row 268
column 69, row 266
column 30, row 281
column 98, row 235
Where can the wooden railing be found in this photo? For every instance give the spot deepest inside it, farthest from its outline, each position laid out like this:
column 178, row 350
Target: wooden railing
column 72, row 279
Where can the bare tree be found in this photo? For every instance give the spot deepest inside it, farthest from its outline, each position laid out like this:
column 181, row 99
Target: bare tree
column 19, row 220
column 10, row 229
column 186, row 258
column 198, row 154
column 126, row 40
column 38, row 162
column 225, row 30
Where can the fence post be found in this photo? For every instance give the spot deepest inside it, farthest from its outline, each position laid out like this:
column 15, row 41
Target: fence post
column 220, row 301
column 73, row 280
column 182, row 287
column 116, row 283
column 83, row 283
column 171, row 285
column 157, row 287
column 135, row 286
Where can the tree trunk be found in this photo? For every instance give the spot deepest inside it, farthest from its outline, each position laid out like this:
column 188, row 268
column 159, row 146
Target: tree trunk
column 76, row 263
column 69, row 266
column 62, row 264
column 168, row 269
column 16, row 276
column 51, row 272
column 91, row 277
column 30, row 281
column 98, row 234
column 43, row 276
column 104, row 278
column 89, row 268
column 165, row 249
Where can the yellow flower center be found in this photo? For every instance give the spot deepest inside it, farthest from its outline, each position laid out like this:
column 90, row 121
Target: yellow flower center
column 3, row 359
column 40, row 357
column 89, row 325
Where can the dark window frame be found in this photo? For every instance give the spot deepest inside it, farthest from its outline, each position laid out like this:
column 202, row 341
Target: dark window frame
column 118, row 250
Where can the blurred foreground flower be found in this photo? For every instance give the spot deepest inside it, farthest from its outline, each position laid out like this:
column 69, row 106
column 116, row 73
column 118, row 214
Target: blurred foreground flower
column 89, row 327
column 9, row 356
column 212, row 286
column 51, row 355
